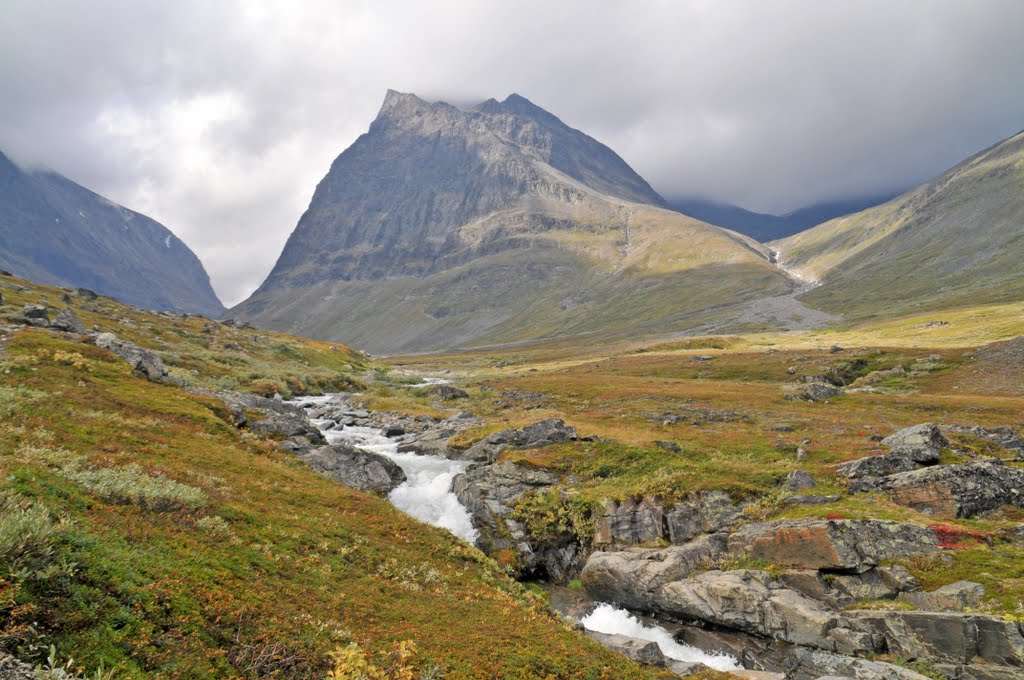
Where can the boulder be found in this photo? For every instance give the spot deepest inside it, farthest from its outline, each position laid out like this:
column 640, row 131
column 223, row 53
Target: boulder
column 955, row 597
column 447, row 392
column 818, row 391
column 36, row 315
column 69, row 322
column 142, row 361
column 86, row 294
column 839, row 545
column 952, row 638
column 811, row 664
column 631, row 522
column 644, row 651
column 839, row 590
column 354, row 467
column 958, row 490
column 921, row 443
column 287, row 425
column 867, row 474
column 542, row 433
column 752, row 602
column 797, row 480
column 632, row 577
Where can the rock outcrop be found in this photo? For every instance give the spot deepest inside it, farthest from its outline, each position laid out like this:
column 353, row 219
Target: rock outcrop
column 632, row 578
column 542, row 433
column 490, row 493
column 836, row 545
column 632, row 522
column 958, row 490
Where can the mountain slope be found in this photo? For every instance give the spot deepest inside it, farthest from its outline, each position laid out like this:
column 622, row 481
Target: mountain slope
column 764, row 227
column 955, row 240
column 445, row 227
column 58, row 232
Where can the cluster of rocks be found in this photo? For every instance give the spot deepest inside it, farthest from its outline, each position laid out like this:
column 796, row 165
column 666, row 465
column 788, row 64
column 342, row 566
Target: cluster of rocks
column 541, row 433
column 911, row 474
column 797, row 619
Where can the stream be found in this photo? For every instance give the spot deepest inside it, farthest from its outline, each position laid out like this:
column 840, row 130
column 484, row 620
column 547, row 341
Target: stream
column 427, row 495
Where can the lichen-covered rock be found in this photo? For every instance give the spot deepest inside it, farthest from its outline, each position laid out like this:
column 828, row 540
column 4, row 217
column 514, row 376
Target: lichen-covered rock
column 141, row 360
column 852, row 545
column 631, row 577
column 817, row 391
column 354, row 467
column 36, row 315
column 287, row 425
column 797, row 480
column 13, row 669
column 447, row 392
column 958, row 490
column 921, row 443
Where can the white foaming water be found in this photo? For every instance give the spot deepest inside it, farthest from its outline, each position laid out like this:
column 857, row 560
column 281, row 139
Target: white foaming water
column 426, row 493
column 613, row 620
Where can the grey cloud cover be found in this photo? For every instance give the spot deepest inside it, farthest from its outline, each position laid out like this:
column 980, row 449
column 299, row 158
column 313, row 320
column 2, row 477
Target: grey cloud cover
column 218, row 118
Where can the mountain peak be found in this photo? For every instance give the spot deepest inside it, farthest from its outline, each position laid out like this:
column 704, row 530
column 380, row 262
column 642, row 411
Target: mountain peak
column 400, row 103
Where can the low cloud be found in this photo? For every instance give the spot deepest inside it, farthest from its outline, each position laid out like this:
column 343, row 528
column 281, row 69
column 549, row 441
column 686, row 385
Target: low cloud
column 218, row 119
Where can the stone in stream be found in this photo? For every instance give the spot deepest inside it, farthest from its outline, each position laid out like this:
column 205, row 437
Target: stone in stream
column 845, row 545
column 354, row 467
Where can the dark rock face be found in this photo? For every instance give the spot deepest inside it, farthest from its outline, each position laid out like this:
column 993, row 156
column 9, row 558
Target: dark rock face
column 490, row 493
column 958, row 490
column 56, row 232
column 632, row 522
column 141, row 360
column 355, row 468
column 541, row 433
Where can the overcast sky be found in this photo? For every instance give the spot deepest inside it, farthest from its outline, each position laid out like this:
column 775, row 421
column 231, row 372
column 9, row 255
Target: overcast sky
column 219, row 118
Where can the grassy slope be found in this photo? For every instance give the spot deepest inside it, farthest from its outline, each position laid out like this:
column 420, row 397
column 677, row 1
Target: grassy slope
column 955, row 241
column 728, row 405
column 295, row 567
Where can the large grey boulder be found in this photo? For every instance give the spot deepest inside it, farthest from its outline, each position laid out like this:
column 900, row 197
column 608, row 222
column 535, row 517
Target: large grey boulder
column 142, row 361
column 69, row 322
column 752, row 602
column 837, row 545
column 958, row 490
column 632, row 577
column 812, row 664
column 542, row 433
column 817, row 391
column 922, row 443
column 354, row 467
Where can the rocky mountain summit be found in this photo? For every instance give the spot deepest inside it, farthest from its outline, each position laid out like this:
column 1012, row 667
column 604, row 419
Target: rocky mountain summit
column 443, row 226
column 57, row 232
